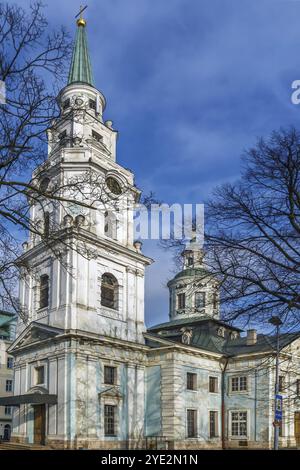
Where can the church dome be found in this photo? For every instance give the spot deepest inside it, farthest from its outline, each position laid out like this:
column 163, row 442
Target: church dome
column 192, row 272
column 194, row 291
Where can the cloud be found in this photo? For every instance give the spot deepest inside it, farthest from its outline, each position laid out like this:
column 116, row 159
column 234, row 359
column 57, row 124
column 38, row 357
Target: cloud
column 190, row 84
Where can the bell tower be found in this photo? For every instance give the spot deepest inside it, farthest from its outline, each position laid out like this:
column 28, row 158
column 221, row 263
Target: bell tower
column 83, row 269
column 194, row 291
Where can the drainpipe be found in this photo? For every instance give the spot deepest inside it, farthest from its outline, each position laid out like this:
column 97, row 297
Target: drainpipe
column 223, row 411
column 255, row 406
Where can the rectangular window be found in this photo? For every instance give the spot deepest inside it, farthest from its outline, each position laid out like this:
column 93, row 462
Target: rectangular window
column 239, row 423
column 97, row 136
column 191, row 381
column 213, row 384
column 181, row 301
column 213, row 424
column 7, row 410
column 110, row 375
column 10, row 363
column 44, row 291
column 9, row 386
column 110, row 413
column 191, row 423
column 199, row 300
column 281, row 383
column 298, row 387
column 39, row 375
column 239, row 384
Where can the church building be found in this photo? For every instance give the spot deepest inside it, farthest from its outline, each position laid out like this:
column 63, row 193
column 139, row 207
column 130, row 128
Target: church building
column 88, row 374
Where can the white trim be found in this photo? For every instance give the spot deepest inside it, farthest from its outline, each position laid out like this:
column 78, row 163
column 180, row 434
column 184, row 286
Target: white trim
column 218, row 383
column 238, row 410
column 186, row 380
column 238, row 376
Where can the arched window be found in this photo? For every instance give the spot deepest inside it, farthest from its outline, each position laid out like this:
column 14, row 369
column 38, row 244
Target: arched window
column 109, row 291
column 110, row 225
column 44, row 291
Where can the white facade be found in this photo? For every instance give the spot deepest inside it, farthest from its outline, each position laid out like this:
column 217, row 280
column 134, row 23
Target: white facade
column 87, row 374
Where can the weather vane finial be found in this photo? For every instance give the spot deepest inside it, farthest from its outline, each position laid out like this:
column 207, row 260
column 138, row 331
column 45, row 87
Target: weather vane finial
column 81, row 21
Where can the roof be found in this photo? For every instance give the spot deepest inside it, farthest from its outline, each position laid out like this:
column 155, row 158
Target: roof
column 264, row 343
column 31, row 398
column 205, row 337
column 7, row 314
column 188, row 321
column 81, row 69
column 4, row 333
column 6, row 319
column 192, row 272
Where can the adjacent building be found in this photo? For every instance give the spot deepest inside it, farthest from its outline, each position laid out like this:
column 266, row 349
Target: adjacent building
column 7, row 335
column 88, row 374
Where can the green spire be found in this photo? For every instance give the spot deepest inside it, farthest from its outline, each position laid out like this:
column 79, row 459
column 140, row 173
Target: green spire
column 81, row 69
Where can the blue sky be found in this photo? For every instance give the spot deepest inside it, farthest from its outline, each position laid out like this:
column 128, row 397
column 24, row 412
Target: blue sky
column 189, row 84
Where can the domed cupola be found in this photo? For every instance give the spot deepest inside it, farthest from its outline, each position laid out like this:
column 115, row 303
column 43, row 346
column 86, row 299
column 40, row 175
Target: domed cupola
column 194, row 291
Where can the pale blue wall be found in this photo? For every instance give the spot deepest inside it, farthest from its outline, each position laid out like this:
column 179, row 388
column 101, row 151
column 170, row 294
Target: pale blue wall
column 153, row 426
column 123, row 411
column 30, row 424
column 256, row 400
column 201, row 399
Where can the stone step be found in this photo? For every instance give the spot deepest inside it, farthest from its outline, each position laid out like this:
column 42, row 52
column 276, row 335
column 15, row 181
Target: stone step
column 16, row 446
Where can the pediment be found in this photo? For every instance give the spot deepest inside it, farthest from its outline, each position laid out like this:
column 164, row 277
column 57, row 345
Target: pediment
column 111, row 392
column 33, row 334
column 38, row 389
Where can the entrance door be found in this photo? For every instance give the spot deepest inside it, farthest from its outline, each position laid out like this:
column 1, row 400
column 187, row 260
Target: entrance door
column 297, row 428
column 39, row 424
column 7, row 431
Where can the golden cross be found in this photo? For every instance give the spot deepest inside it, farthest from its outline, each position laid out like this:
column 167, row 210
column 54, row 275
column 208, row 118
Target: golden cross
column 81, row 10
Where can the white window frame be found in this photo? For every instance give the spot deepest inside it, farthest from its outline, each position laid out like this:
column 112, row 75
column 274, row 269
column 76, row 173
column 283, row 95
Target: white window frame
column 111, row 402
column 10, row 360
column 9, row 388
column 113, row 366
column 239, row 437
column 8, row 407
column 239, row 383
column 217, row 379
column 33, row 374
column 196, row 382
column 177, row 300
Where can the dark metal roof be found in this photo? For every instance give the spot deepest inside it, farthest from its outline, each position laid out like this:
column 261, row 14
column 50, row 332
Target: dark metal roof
column 32, row 398
column 205, row 337
column 8, row 314
column 192, row 272
column 264, row 343
column 190, row 321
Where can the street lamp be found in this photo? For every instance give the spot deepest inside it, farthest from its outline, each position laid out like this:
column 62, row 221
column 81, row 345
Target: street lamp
column 276, row 322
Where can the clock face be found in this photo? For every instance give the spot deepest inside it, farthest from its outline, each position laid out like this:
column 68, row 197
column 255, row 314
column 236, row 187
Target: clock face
column 79, row 101
column 113, row 185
